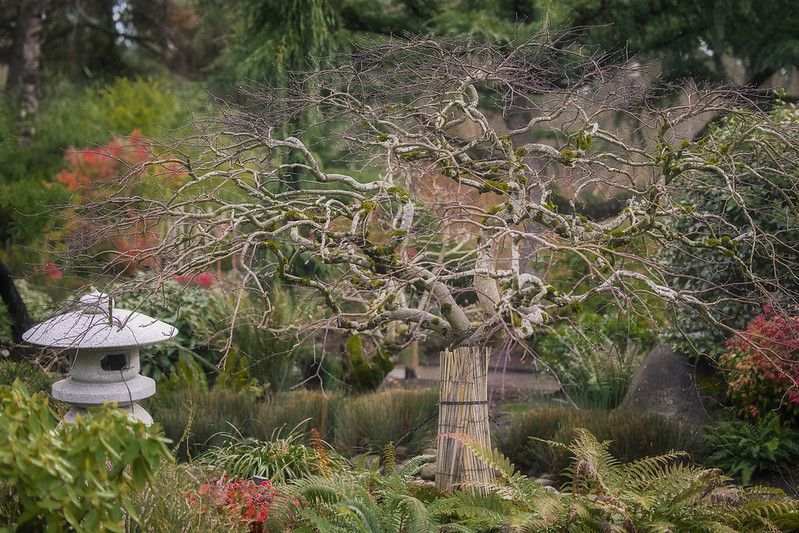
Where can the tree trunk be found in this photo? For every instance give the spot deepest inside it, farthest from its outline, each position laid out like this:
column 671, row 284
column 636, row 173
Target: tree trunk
column 23, row 72
column 20, row 320
column 412, row 367
column 463, row 411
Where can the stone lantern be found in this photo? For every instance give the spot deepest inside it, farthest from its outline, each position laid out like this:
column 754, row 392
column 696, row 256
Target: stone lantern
column 104, row 342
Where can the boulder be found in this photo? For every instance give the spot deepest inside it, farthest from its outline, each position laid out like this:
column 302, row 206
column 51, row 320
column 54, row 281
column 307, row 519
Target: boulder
column 666, row 383
column 428, row 472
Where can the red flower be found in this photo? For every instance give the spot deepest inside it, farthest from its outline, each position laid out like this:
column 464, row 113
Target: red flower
column 52, row 272
column 205, row 280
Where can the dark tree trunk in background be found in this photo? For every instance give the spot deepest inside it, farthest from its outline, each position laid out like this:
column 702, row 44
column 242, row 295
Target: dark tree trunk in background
column 20, row 320
column 23, row 71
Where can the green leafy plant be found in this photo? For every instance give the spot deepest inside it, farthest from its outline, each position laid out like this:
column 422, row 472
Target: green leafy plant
column 78, row 476
column 281, row 458
column 235, row 374
column 595, row 356
column 745, row 449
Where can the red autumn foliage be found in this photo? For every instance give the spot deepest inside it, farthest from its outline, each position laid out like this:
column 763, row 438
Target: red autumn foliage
column 762, row 366
column 90, row 172
column 206, row 280
column 244, row 500
column 89, row 167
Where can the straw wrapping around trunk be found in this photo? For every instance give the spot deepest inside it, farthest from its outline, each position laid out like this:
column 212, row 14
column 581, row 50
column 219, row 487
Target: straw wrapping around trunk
column 463, row 409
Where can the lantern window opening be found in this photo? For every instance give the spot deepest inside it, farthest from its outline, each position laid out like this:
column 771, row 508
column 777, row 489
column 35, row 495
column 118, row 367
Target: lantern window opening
column 114, row 362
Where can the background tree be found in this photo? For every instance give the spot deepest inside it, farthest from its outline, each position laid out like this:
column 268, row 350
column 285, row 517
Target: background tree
column 23, row 69
column 419, row 112
column 763, row 199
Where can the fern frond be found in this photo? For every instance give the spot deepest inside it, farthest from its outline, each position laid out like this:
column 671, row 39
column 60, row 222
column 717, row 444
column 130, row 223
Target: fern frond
column 389, row 459
column 651, row 467
column 415, row 516
column 523, row 487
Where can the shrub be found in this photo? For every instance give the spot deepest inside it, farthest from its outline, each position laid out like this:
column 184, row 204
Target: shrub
column 370, row 422
column 245, row 501
column 762, row 366
column 34, row 379
column 72, row 116
column 281, row 458
column 190, row 310
column 166, row 504
column 77, row 476
column 632, row 435
column 744, row 449
column 596, row 356
column 37, row 302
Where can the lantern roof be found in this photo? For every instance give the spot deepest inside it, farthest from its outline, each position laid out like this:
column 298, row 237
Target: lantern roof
column 96, row 323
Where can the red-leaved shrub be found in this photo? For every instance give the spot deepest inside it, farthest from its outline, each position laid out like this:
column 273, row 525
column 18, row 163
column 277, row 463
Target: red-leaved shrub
column 245, row 500
column 762, row 366
column 96, row 173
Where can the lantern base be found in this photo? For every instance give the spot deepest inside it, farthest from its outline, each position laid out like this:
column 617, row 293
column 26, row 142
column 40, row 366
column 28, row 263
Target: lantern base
column 136, row 411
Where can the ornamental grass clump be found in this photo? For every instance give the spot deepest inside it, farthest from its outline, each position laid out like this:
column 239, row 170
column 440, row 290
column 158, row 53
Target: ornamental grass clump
column 369, row 422
column 632, row 435
column 281, row 458
column 198, row 419
column 302, row 409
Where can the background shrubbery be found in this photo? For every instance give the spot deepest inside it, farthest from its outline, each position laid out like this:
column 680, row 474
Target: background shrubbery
column 632, row 435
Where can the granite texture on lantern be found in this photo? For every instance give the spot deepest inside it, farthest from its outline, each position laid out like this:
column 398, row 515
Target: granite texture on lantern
column 105, row 342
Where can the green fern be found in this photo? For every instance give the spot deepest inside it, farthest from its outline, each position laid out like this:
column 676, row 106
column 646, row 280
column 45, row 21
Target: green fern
column 653, row 494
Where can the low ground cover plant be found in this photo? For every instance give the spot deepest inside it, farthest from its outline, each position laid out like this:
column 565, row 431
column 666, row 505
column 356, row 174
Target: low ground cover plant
column 246, row 501
column 745, row 449
column 170, row 502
